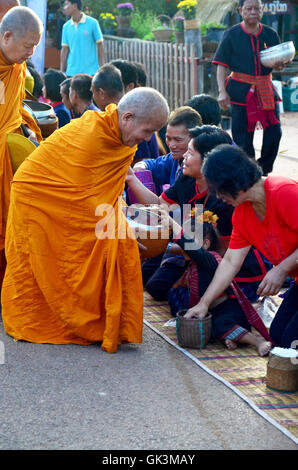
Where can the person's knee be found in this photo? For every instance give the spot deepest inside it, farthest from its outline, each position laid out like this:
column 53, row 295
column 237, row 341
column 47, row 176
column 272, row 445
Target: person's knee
column 156, row 289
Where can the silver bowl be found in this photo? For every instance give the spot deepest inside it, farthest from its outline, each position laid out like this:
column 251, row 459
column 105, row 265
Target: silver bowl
column 282, row 53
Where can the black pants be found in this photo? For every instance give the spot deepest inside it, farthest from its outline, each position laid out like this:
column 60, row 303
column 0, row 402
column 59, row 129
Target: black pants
column 284, row 327
column 159, row 278
column 243, row 138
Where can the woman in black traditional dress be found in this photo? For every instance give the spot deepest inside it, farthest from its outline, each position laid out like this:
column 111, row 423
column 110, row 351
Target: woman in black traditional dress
column 249, row 87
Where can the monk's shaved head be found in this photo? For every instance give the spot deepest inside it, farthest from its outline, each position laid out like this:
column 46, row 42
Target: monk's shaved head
column 20, row 21
column 20, row 33
column 6, row 5
column 141, row 112
column 145, row 103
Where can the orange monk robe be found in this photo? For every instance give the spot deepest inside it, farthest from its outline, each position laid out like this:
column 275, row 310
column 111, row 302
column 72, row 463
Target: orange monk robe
column 12, row 114
column 63, row 283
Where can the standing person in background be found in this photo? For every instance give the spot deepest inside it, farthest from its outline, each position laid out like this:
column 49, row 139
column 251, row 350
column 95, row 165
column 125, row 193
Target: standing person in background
column 20, row 32
column 249, row 88
column 82, row 42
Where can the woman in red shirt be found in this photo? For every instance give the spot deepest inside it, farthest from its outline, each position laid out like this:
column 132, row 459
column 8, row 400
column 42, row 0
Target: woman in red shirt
column 265, row 216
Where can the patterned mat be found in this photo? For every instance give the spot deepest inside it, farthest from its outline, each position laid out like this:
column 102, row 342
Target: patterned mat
column 242, row 370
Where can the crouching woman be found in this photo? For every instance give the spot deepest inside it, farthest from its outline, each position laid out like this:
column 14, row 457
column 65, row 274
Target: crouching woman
column 265, row 216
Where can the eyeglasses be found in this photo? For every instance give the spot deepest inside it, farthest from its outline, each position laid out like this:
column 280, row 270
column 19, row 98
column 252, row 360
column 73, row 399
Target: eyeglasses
column 251, row 9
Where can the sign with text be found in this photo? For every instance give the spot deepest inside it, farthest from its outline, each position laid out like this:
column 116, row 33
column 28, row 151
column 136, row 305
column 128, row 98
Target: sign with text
column 277, row 8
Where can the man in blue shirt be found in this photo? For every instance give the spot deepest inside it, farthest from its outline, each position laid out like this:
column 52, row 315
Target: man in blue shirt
column 82, row 42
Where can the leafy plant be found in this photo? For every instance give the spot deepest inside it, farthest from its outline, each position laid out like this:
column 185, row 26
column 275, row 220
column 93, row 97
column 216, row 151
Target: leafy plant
column 108, row 21
column 142, row 23
column 189, row 8
column 179, row 23
column 212, row 24
column 162, row 22
column 125, row 9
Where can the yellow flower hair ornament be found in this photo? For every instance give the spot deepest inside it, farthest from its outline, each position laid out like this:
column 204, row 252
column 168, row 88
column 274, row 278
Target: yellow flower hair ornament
column 206, row 216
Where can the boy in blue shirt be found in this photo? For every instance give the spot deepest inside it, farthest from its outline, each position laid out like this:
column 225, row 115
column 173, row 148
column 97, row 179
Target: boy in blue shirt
column 82, row 42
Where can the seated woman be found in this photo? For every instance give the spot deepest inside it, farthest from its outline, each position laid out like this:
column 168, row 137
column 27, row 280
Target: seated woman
column 51, row 90
column 266, row 216
column 232, row 313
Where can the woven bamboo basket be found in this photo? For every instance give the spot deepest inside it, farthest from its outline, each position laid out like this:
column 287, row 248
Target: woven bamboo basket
column 164, row 35
column 193, row 333
column 282, row 373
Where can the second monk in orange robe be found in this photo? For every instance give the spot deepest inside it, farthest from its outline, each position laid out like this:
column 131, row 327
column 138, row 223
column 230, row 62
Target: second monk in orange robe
column 68, row 279
column 20, row 32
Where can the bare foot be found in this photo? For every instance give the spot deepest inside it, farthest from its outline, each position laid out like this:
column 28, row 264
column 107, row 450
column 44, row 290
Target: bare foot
column 264, row 347
column 230, row 344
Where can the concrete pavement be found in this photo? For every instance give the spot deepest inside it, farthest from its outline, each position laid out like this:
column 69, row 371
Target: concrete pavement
column 286, row 163
column 144, row 397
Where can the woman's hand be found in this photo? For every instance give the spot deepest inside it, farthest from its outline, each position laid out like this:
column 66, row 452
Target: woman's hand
column 142, row 251
column 197, row 311
column 272, row 282
column 130, row 176
column 166, row 220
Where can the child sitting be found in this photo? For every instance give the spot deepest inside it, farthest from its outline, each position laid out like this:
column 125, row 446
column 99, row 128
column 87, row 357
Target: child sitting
column 232, row 313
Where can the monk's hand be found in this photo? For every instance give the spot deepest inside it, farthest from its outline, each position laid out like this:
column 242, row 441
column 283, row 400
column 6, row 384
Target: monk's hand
column 223, row 99
column 197, row 311
column 272, row 282
column 31, row 134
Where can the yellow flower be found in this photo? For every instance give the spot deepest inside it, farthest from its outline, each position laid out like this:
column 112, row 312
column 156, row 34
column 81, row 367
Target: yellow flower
column 188, row 7
column 207, row 216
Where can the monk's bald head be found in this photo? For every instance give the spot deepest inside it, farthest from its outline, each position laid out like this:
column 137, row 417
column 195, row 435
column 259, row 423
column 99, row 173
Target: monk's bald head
column 20, row 32
column 6, row 5
column 141, row 112
column 20, row 21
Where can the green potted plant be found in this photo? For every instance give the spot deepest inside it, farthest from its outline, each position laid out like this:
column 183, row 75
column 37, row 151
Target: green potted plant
column 124, row 17
column 107, row 23
column 214, row 31
column 179, row 28
column 189, row 11
column 162, row 28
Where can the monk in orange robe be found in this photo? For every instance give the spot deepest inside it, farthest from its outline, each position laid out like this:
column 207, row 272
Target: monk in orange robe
column 20, row 32
column 73, row 273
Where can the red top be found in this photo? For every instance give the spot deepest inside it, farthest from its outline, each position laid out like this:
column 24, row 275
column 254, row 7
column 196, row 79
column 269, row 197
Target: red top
column 276, row 236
